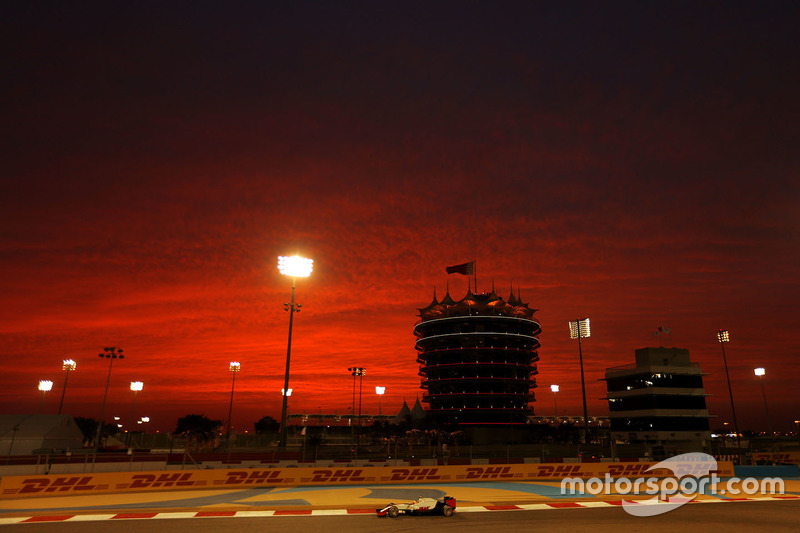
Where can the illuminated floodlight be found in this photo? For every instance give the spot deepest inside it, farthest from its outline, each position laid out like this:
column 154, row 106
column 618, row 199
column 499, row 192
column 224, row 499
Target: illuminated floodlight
column 288, row 392
column 723, row 335
column 234, row 366
column 554, row 388
column 759, row 371
column 380, row 390
column 68, row 365
column 579, row 328
column 137, row 386
column 295, row 266
column 145, row 419
column 45, row 385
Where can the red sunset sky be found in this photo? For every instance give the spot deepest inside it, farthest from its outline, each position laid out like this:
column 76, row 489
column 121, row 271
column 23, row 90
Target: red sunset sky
column 633, row 162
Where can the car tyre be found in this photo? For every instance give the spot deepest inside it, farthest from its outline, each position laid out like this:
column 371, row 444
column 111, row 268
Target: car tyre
column 393, row 511
column 447, row 510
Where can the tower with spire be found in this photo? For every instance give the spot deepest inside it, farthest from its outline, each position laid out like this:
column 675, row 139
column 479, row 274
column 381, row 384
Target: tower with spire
column 477, row 358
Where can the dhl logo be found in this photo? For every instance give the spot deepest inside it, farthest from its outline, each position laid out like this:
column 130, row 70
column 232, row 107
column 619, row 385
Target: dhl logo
column 253, row 477
column 56, row 484
column 414, row 474
column 162, row 480
column 337, row 476
column 777, row 457
column 477, row 472
column 628, row 470
column 559, row 471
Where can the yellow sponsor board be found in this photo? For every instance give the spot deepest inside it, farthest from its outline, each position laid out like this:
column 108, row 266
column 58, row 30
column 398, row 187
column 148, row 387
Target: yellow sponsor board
column 77, row 484
column 777, row 458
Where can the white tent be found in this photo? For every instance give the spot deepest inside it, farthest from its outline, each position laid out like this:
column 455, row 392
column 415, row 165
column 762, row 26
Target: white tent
column 23, row 434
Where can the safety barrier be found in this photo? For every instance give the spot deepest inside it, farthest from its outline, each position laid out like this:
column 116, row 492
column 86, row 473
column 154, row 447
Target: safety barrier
column 62, row 485
column 777, row 458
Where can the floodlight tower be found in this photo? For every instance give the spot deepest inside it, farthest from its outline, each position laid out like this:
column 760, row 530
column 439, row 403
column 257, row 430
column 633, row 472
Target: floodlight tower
column 110, row 353
column 294, row 267
column 68, row 365
column 233, row 368
column 580, row 329
column 380, row 392
column 45, row 386
column 723, row 336
column 555, row 389
column 136, row 387
column 760, row 372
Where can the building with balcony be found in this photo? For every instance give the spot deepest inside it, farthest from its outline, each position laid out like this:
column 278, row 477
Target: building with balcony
column 478, row 359
column 659, row 400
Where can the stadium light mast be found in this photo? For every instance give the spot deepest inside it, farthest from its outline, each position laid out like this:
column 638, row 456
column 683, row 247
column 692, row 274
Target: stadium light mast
column 294, row 267
column 760, row 372
column 67, row 365
column 555, row 389
column 234, row 367
column 45, row 386
column 579, row 329
column 724, row 336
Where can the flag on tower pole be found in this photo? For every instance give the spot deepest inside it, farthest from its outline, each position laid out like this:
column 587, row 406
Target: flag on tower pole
column 467, row 269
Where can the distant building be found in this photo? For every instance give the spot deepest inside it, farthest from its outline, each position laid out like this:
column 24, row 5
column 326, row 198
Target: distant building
column 478, row 359
column 660, row 400
column 30, row 434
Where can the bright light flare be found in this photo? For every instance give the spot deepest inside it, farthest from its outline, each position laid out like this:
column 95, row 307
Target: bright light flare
column 45, row 385
column 68, row 365
column 137, row 386
column 554, row 388
column 288, row 392
column 723, row 336
column 234, row 366
column 579, row 328
column 759, row 371
column 295, row 266
column 380, row 390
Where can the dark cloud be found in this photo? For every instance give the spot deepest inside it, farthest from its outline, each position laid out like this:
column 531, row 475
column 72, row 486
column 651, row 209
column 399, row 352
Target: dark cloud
column 630, row 162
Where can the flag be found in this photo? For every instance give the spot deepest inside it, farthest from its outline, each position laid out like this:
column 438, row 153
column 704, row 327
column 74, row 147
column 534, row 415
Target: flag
column 662, row 329
column 466, row 269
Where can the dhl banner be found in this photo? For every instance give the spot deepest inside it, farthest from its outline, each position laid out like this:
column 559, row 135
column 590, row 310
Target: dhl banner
column 777, row 458
column 108, row 482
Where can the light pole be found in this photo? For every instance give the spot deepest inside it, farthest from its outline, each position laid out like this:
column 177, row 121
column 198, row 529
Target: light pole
column 554, row 388
column 45, row 386
column 136, row 387
column 68, row 365
column 760, row 373
column 234, row 367
column 110, row 354
column 357, row 371
column 286, row 393
column 580, row 329
column 295, row 267
column 723, row 336
column 379, row 391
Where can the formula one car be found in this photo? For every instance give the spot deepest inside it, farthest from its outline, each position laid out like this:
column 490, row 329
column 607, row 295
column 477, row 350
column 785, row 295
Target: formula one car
column 444, row 506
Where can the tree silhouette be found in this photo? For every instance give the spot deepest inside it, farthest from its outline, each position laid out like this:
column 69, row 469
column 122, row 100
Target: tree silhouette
column 197, row 428
column 88, row 427
column 267, row 424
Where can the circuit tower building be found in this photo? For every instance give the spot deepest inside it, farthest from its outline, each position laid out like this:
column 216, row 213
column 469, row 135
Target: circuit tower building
column 477, row 359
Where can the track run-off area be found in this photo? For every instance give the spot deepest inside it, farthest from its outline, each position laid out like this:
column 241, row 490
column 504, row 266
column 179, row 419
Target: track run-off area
column 78, row 503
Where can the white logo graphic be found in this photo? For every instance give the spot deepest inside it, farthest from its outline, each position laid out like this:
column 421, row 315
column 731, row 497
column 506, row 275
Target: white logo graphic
column 692, row 474
column 687, row 468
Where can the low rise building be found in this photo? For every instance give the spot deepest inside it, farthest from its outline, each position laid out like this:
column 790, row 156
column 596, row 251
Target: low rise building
column 659, row 400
